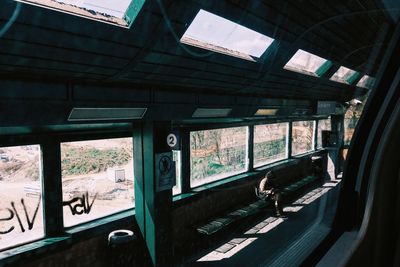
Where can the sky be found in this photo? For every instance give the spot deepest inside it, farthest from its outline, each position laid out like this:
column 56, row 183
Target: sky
column 343, row 74
column 303, row 60
column 114, row 8
column 216, row 30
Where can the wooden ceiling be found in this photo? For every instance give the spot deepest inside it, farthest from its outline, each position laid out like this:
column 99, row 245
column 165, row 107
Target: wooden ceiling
column 46, row 45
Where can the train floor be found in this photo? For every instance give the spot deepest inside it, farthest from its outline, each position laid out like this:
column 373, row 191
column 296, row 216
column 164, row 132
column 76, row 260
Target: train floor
column 267, row 240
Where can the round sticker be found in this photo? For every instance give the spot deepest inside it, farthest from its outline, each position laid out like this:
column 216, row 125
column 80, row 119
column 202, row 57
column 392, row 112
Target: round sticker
column 165, row 165
column 172, row 140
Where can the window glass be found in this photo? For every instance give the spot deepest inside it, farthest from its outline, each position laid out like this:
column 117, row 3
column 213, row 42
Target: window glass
column 97, row 178
column 270, row 143
column 216, row 154
column 177, row 189
column 366, row 82
column 307, row 63
column 345, row 75
column 21, row 212
column 302, row 137
column 351, row 117
column 323, row 125
column 116, row 12
column 212, row 32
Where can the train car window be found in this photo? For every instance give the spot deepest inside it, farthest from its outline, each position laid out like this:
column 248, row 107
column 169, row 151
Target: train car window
column 302, row 137
column 351, row 117
column 345, row 75
column 177, row 189
column 21, row 212
column 120, row 13
column 366, row 82
column 270, row 143
column 323, row 125
column 307, row 63
column 212, row 32
column 97, row 178
column 217, row 154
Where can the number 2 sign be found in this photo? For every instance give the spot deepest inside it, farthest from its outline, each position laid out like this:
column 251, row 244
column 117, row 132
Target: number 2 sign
column 173, row 140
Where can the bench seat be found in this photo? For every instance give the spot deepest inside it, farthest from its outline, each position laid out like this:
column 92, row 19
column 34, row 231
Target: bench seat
column 291, row 178
column 217, row 224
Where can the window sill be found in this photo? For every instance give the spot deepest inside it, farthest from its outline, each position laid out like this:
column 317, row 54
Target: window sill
column 102, row 225
column 222, row 181
column 273, row 164
column 308, row 153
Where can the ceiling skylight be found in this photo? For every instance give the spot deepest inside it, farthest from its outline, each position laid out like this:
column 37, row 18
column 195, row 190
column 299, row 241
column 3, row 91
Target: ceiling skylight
column 117, row 12
column 212, row 32
column 345, row 75
column 308, row 63
column 366, row 82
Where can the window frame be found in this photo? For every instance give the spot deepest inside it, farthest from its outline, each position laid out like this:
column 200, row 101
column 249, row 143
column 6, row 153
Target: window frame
column 247, row 162
column 52, row 139
column 312, row 137
column 288, row 125
column 318, row 73
column 319, row 146
column 88, row 138
column 42, row 190
column 200, row 40
column 50, row 146
column 130, row 14
column 185, row 129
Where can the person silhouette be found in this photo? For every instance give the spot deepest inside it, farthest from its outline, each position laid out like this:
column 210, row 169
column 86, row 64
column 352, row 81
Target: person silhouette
column 267, row 190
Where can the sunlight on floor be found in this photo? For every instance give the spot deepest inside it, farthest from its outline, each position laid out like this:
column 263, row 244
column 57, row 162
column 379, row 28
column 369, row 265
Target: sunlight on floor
column 235, row 245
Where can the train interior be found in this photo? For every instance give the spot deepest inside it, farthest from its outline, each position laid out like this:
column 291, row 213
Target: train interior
column 136, row 133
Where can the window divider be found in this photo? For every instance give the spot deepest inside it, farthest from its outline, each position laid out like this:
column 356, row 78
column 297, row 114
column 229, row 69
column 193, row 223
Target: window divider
column 290, row 131
column 316, row 122
column 52, row 189
column 185, row 162
column 250, row 148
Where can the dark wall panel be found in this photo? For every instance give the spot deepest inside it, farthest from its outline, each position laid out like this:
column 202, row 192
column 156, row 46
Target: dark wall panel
column 32, row 90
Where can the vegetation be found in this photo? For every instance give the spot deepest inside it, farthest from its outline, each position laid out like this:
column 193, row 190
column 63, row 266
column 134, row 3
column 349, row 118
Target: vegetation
column 223, row 151
column 270, row 150
column 225, row 161
column 351, row 117
column 78, row 160
column 217, row 151
column 302, row 136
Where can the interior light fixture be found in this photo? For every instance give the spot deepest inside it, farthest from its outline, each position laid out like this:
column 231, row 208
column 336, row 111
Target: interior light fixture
column 116, row 12
column 266, row 112
column 211, row 112
column 212, row 32
column 91, row 114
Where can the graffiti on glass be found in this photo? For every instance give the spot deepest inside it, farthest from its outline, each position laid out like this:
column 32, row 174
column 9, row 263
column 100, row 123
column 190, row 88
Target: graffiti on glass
column 80, row 205
column 13, row 215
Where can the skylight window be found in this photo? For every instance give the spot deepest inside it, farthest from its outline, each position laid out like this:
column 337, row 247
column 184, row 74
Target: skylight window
column 212, row 32
column 345, row 75
column 117, row 12
column 308, row 63
column 366, row 82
